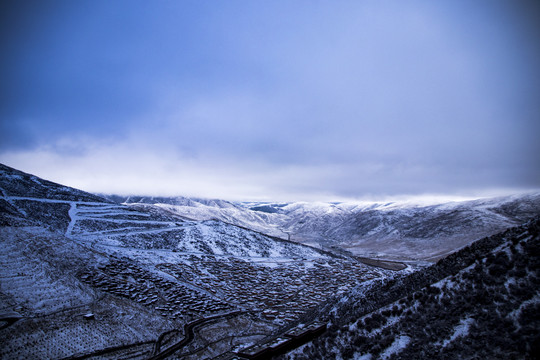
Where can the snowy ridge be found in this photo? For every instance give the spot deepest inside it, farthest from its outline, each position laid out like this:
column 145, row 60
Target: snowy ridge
column 393, row 230
column 91, row 218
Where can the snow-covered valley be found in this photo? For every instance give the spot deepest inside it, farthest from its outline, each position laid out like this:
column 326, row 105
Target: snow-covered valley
column 84, row 276
column 397, row 230
column 118, row 277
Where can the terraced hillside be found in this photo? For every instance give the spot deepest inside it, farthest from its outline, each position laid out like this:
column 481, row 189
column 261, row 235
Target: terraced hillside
column 82, row 277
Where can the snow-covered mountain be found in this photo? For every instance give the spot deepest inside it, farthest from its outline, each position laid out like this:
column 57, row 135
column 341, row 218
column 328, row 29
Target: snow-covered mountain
column 83, row 277
column 482, row 302
column 213, row 209
column 29, row 200
column 390, row 230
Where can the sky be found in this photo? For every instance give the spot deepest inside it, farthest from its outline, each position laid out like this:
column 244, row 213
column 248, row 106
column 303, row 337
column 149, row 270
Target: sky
column 273, row 100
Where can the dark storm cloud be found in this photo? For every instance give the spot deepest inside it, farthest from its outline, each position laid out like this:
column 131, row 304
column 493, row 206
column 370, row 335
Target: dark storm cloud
column 295, row 99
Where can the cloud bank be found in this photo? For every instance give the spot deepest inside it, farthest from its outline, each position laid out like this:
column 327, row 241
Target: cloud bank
column 284, row 101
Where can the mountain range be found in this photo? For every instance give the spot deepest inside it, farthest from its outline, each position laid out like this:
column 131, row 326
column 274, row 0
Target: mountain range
column 393, row 230
column 85, row 276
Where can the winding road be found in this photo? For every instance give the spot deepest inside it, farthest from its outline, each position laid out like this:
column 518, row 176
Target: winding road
column 189, row 335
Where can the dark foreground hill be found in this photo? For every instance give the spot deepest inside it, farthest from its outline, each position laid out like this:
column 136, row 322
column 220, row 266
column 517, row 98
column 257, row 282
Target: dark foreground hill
column 18, row 188
column 482, row 302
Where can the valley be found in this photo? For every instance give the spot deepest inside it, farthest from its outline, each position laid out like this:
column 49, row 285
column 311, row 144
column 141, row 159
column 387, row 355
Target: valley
column 402, row 231
column 142, row 272
column 88, row 277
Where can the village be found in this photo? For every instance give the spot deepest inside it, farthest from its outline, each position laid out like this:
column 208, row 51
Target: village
column 169, row 298
column 207, row 285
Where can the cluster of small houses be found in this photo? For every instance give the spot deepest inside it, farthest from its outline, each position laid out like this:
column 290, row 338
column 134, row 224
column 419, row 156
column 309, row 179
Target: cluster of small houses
column 170, row 299
column 281, row 293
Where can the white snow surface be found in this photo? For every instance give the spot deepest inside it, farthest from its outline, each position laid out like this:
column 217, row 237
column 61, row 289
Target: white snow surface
column 399, row 344
column 461, row 329
column 403, row 230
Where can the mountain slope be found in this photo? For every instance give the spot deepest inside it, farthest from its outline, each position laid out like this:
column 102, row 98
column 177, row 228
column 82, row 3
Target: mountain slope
column 212, row 209
column 15, row 184
column 481, row 302
column 390, row 230
column 430, row 232
column 83, row 277
column 27, row 199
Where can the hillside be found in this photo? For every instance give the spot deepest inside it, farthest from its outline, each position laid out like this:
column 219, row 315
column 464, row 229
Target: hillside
column 83, row 277
column 211, row 209
column 403, row 231
column 481, row 302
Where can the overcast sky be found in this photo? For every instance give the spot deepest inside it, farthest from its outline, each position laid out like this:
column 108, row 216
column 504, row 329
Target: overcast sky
column 273, row 100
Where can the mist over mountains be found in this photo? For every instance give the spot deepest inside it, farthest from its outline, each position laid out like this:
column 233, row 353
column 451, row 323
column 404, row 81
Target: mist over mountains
column 404, row 231
column 85, row 277
column 265, row 103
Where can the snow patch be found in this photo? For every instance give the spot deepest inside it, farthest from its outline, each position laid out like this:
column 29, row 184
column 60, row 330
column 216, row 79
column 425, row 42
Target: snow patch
column 399, row 344
column 460, row 330
column 362, row 357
